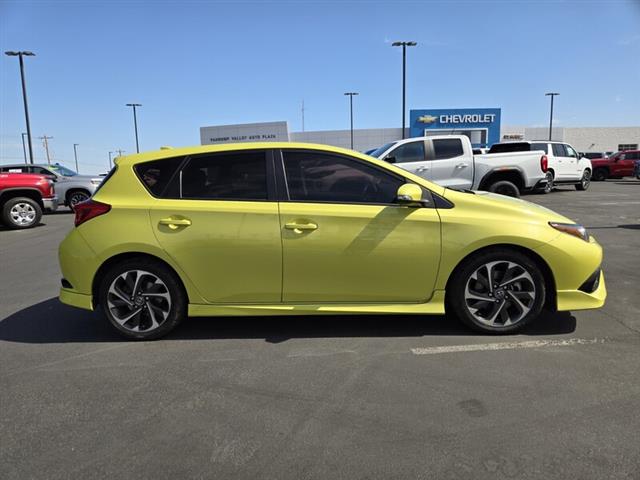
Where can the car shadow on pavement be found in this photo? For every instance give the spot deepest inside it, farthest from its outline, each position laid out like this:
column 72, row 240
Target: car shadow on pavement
column 52, row 322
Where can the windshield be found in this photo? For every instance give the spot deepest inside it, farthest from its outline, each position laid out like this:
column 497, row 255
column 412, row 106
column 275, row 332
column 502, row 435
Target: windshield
column 63, row 170
column 379, row 151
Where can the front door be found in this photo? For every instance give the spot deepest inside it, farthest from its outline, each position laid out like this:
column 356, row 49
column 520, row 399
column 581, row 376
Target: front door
column 410, row 156
column 450, row 166
column 221, row 227
column 345, row 240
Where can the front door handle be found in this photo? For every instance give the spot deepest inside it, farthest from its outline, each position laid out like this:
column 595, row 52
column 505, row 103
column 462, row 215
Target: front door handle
column 175, row 223
column 301, row 227
column 462, row 165
column 422, row 169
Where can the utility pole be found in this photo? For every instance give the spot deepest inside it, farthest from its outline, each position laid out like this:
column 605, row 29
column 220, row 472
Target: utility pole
column 24, row 94
column 135, row 122
column 75, row 154
column 404, row 46
column 24, row 148
column 45, row 141
column 350, row 95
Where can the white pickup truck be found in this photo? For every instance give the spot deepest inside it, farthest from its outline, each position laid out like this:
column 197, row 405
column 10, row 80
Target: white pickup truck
column 448, row 160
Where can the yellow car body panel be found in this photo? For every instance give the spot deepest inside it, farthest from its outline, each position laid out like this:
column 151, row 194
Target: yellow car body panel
column 246, row 258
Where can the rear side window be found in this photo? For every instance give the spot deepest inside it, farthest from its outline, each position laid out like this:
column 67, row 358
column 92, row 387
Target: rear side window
column 158, row 174
column 540, row 146
column 226, row 176
column 558, row 150
column 447, row 148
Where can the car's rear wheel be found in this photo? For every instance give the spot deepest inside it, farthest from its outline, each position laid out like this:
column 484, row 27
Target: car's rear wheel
column 21, row 212
column 505, row 187
column 498, row 291
column 585, row 181
column 142, row 299
column 600, row 174
column 77, row 196
column 548, row 188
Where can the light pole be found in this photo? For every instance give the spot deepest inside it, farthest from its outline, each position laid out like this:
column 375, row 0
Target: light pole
column 404, row 46
column 75, row 154
column 551, row 94
column 24, row 148
column 110, row 164
column 135, row 122
column 350, row 95
column 24, row 94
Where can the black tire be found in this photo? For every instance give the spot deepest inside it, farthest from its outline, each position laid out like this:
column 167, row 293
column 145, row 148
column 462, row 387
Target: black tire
column 76, row 196
column 112, row 305
column 459, row 302
column 600, row 174
column 584, row 182
column 505, row 187
column 548, row 188
column 21, row 212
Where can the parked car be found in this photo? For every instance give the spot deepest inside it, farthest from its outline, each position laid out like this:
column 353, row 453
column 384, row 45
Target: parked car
column 593, row 155
column 71, row 187
column 448, row 160
column 621, row 164
column 24, row 197
column 636, row 170
column 300, row 229
column 565, row 166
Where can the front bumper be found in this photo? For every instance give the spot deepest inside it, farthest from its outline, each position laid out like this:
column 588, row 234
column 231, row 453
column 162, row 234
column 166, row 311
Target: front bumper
column 50, row 203
column 579, row 300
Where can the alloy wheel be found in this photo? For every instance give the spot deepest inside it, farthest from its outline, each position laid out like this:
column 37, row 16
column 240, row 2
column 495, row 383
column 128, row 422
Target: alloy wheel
column 139, row 301
column 549, row 186
column 76, row 198
column 500, row 293
column 586, row 180
column 22, row 214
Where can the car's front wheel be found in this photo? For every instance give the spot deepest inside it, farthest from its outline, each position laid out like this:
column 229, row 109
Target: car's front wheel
column 142, row 299
column 77, row 196
column 497, row 291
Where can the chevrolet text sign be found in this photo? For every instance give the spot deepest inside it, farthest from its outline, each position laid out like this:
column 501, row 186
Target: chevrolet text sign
column 481, row 125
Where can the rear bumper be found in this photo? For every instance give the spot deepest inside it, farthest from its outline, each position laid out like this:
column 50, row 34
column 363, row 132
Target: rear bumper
column 579, row 300
column 50, row 203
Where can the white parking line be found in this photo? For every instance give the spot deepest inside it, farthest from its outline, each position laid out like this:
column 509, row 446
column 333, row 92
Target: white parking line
column 505, row 346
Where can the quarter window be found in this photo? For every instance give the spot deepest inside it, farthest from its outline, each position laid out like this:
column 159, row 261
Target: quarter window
column 409, row 152
column 158, row 174
column 539, row 146
column 226, row 176
column 321, row 177
column 447, row 148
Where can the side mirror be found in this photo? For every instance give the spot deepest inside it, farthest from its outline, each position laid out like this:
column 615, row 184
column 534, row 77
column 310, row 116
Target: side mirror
column 390, row 159
column 409, row 194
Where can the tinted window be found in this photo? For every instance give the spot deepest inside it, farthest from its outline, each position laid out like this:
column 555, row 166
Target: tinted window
column 14, row 169
column 447, row 148
column 558, row 150
column 320, row 177
column 156, row 176
column 540, row 146
column 379, row 151
column 570, row 151
column 226, row 176
column 409, row 152
column 40, row 171
column 510, row 147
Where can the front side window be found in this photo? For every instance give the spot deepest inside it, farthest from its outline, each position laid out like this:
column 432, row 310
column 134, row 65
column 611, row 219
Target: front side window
column 409, row 152
column 570, row 151
column 380, row 150
column 226, row 176
column 321, row 177
column 447, row 148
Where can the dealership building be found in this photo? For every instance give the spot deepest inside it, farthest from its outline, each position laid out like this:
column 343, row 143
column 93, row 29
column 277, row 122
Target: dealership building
column 482, row 125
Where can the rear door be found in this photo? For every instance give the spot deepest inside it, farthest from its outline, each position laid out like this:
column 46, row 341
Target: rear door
column 451, row 166
column 218, row 219
column 411, row 156
column 562, row 168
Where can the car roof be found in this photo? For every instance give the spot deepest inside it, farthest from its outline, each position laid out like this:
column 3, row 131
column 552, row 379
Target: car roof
column 43, row 165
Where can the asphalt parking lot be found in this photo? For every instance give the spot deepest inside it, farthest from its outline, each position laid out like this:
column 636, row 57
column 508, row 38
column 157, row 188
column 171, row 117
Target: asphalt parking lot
column 317, row 398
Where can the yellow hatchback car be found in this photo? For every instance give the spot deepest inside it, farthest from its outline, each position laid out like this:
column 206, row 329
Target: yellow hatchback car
column 300, row 229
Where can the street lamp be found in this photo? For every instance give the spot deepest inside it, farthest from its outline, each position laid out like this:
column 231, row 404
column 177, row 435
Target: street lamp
column 24, row 148
column 24, row 94
column 110, row 164
column 75, row 154
column 404, row 46
column 351, row 94
column 551, row 94
column 135, row 122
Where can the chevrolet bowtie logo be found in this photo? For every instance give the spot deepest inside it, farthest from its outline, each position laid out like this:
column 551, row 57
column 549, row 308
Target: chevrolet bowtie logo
column 427, row 119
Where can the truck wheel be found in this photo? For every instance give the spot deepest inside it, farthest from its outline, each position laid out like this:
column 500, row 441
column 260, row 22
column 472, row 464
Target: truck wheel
column 584, row 182
column 76, row 196
column 548, row 188
column 21, row 212
column 600, row 174
column 505, row 187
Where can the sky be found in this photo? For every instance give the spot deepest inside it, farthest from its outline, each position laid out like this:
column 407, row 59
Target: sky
column 200, row 63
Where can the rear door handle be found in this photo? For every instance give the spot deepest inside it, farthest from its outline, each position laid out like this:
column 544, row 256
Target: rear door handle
column 301, row 227
column 175, row 223
column 462, row 165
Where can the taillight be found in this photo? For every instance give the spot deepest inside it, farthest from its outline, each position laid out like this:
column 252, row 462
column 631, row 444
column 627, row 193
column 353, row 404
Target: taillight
column 544, row 163
column 89, row 209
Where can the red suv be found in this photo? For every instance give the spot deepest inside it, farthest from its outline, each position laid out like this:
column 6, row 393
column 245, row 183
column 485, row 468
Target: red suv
column 23, row 197
column 618, row 165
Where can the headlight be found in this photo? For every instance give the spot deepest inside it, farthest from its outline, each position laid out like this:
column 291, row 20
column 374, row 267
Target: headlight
column 572, row 229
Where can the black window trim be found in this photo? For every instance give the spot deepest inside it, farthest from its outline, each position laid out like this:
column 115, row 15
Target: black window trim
column 284, row 191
